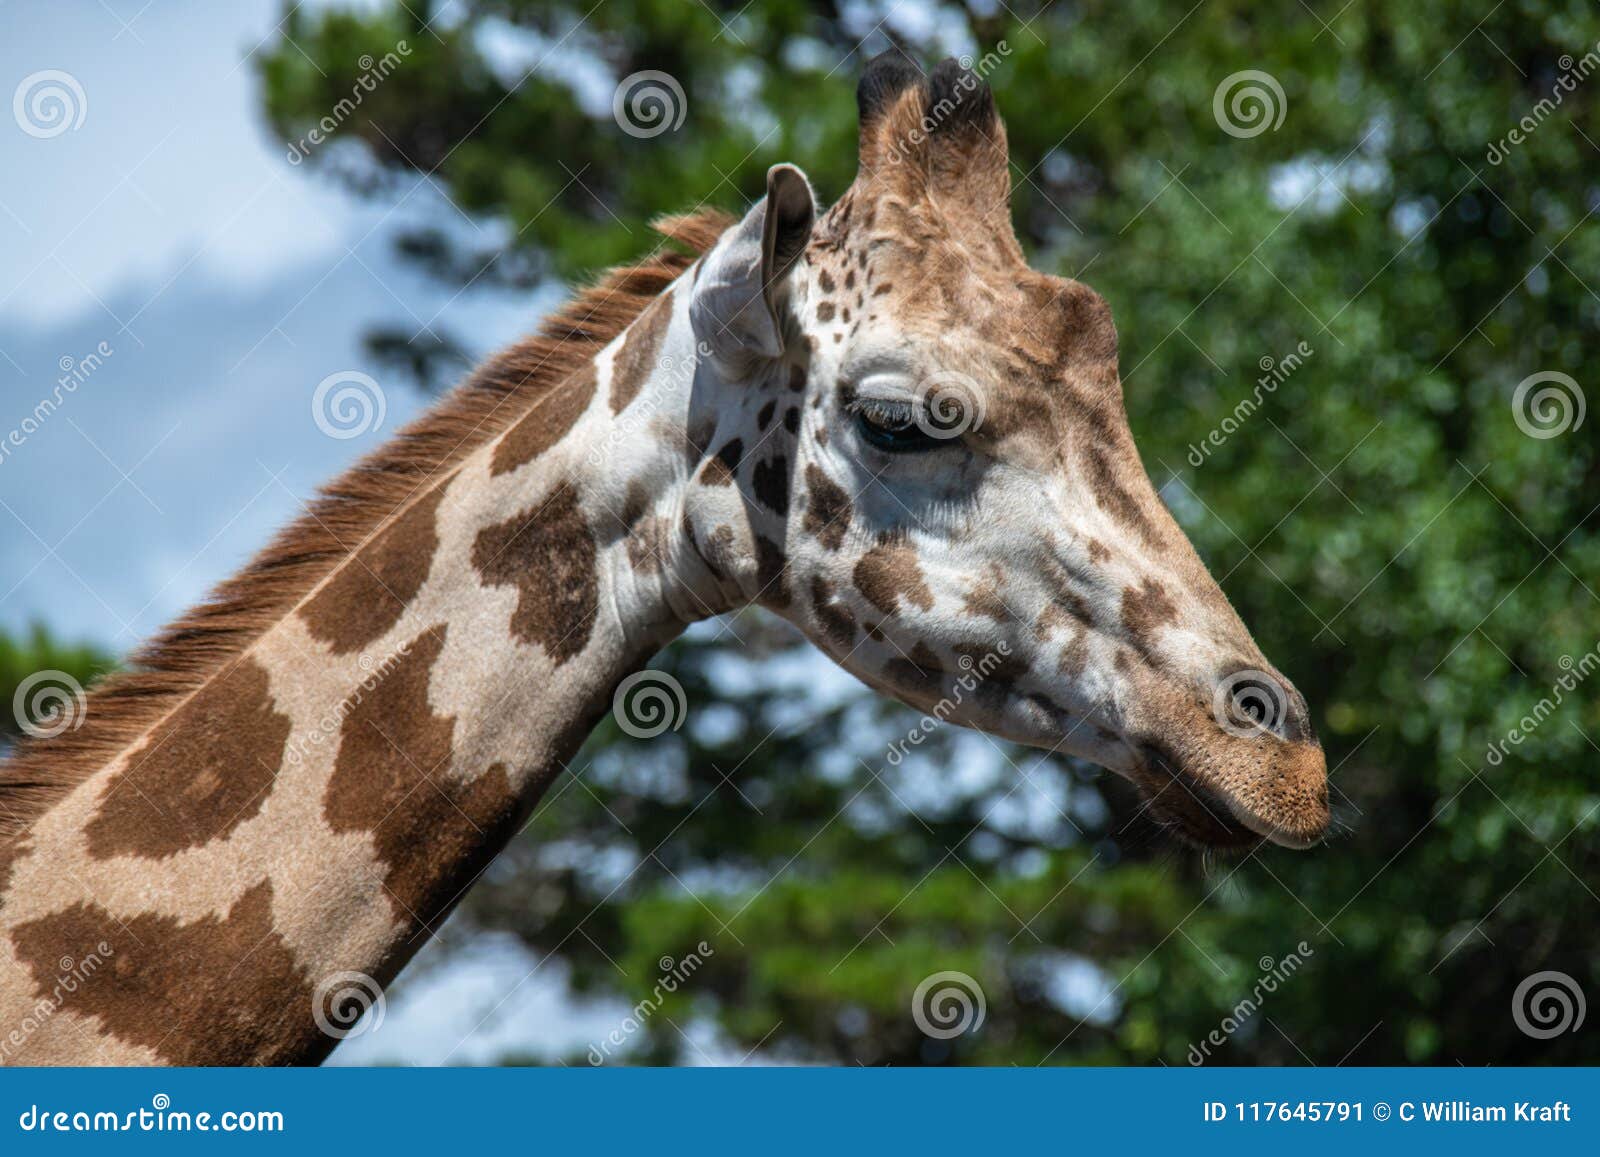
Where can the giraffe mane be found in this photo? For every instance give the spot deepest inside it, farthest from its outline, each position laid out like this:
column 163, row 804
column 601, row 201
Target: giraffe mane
column 193, row 648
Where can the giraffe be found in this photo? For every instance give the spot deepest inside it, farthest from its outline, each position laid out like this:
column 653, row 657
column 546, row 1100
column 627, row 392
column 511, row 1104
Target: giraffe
column 875, row 421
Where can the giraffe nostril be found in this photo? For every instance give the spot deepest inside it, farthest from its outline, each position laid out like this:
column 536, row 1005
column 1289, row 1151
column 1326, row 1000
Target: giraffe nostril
column 1250, row 703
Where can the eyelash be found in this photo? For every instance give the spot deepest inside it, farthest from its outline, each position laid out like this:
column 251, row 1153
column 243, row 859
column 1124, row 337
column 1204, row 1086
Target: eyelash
column 891, row 426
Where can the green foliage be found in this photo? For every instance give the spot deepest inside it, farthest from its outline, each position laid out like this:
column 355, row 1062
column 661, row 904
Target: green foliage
column 38, row 651
column 1420, row 566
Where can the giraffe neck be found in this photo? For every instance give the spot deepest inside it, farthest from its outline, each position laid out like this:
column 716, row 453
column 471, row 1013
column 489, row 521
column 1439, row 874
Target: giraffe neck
column 316, row 808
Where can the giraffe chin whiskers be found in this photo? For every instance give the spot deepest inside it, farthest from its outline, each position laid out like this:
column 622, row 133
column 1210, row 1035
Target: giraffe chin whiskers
column 1275, row 794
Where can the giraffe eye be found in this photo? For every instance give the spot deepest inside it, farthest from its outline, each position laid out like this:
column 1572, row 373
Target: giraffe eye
column 892, row 426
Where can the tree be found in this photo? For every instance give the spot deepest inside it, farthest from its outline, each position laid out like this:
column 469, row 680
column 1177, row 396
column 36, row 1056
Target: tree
column 41, row 678
column 1350, row 254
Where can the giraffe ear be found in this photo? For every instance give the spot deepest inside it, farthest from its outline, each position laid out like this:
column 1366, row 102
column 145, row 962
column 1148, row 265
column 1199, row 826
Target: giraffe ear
column 738, row 302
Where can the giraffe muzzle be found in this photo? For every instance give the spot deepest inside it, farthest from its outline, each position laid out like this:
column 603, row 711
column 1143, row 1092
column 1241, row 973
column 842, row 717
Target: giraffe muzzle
column 1236, row 798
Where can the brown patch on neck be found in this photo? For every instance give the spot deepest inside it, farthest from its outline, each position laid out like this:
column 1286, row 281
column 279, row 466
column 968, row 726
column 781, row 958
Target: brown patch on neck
column 390, row 780
column 216, row 991
column 206, row 769
column 366, row 598
column 190, row 651
column 548, row 553
column 636, row 360
column 543, row 428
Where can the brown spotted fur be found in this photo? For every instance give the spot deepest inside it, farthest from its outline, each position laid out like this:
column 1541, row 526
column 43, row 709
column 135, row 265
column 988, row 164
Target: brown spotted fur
column 179, row 660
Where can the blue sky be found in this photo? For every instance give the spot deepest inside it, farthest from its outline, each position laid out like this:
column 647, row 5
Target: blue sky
column 226, row 283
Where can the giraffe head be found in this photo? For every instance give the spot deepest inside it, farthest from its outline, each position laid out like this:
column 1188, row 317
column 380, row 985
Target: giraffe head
column 914, row 447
